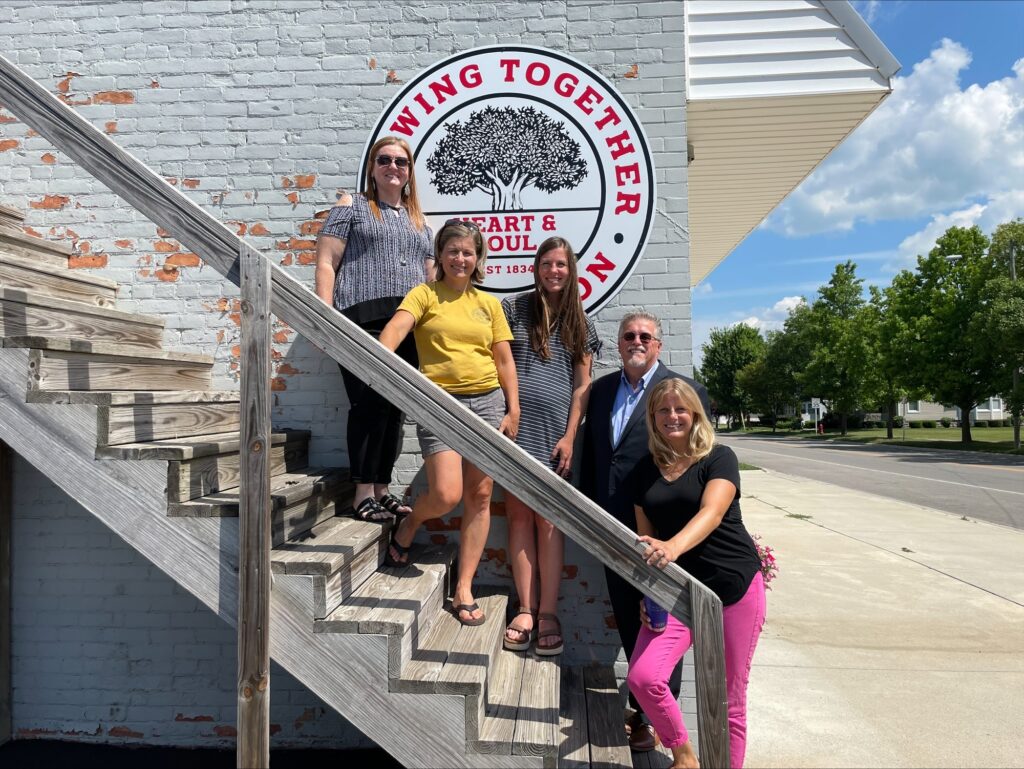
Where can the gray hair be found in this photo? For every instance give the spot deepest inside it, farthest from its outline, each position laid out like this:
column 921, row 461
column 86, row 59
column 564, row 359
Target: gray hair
column 650, row 317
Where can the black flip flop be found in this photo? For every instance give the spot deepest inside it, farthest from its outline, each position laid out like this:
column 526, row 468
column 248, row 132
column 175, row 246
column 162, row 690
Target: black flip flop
column 469, row 608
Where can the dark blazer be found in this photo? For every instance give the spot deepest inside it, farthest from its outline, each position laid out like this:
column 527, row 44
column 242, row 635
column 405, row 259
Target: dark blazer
column 605, row 468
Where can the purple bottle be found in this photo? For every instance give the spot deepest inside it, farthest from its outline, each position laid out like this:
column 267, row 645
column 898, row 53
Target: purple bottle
column 656, row 614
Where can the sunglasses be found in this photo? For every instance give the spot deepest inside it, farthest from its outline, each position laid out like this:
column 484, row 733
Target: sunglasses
column 643, row 336
column 467, row 223
column 385, row 160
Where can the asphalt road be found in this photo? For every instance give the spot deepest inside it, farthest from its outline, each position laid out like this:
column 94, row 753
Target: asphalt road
column 989, row 487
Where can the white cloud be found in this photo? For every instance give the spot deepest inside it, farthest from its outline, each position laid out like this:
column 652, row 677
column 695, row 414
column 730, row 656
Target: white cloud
column 868, row 9
column 932, row 146
column 703, row 288
column 762, row 318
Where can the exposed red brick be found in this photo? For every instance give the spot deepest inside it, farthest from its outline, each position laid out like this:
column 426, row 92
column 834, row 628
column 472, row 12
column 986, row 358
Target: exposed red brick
column 293, row 198
column 124, row 731
column 240, row 228
column 114, row 97
column 124, row 243
column 166, row 246
column 154, row 84
column 609, row 622
column 236, row 350
column 258, row 229
column 373, row 63
column 286, row 182
column 287, row 369
column 392, row 77
column 167, row 274
column 633, row 72
column 84, row 246
column 87, row 261
column 146, row 260
column 192, row 719
column 310, row 227
column 183, row 259
column 496, row 554
column 570, row 571
column 171, row 180
column 288, row 260
column 277, row 384
column 308, row 714
column 110, row 127
column 145, row 273
column 281, row 337
column 454, row 523
column 51, row 202
column 276, row 355
column 274, row 729
column 296, row 244
column 9, row 144
column 321, row 215
column 190, row 183
column 305, row 181
column 236, row 318
column 220, row 335
column 307, row 257
column 30, row 231
column 225, row 731
column 7, row 118
column 161, row 232
column 28, row 734
column 49, row 158
column 65, row 85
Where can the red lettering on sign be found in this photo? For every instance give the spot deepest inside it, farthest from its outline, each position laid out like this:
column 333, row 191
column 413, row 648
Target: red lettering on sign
column 627, row 175
column 405, row 122
column 470, row 76
column 509, row 65
column 627, row 203
column 600, row 267
column 610, row 116
column 443, row 89
column 560, row 84
column 584, row 289
column 621, row 144
column 587, row 99
column 538, row 73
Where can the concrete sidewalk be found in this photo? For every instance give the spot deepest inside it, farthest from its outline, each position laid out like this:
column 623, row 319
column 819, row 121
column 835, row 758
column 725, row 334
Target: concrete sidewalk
column 895, row 633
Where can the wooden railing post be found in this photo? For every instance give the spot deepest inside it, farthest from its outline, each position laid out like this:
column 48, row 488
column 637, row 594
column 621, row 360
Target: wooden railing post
column 709, row 671
column 254, row 517
column 6, row 483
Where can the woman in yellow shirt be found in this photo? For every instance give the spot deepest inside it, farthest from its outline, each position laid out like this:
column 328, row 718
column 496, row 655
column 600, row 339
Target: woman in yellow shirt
column 462, row 339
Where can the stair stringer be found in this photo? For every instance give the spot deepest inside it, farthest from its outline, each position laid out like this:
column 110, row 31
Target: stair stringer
column 348, row 671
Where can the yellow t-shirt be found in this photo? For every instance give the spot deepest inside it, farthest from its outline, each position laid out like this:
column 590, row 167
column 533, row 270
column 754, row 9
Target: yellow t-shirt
column 454, row 334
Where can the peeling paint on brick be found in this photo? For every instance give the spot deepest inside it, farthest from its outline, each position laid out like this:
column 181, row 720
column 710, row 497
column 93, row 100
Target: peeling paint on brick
column 569, row 571
column 124, row 243
column 166, row 246
column 114, row 97
column 310, row 227
column 293, row 198
column 49, row 158
column 373, row 63
column 9, row 144
column 451, row 523
column 225, row 731
column 183, row 259
column 305, row 181
column 258, row 229
column 110, row 127
column 392, row 77
column 124, row 731
column 167, row 274
column 633, row 72
column 50, row 202
column 190, row 183
column 192, row 719
column 278, row 385
column 281, row 337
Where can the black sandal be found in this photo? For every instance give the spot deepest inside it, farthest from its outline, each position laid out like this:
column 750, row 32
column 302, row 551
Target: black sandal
column 390, row 561
column 370, row 510
column 394, row 505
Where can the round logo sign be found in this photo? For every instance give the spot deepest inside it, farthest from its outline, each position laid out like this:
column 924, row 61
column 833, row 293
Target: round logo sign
column 529, row 143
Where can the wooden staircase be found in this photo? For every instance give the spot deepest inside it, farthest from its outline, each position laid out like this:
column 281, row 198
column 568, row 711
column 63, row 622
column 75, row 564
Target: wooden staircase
column 136, row 434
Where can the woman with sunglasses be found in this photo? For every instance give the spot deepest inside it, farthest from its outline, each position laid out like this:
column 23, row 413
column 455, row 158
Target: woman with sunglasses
column 373, row 249
column 462, row 339
column 553, row 347
column 686, row 496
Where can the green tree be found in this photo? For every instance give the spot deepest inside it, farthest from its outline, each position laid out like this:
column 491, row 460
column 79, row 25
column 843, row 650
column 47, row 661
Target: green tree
column 770, row 381
column 888, row 335
column 940, row 304
column 1004, row 315
column 839, row 370
column 726, row 352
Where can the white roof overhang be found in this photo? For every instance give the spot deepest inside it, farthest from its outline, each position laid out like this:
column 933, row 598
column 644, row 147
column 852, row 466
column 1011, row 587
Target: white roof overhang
column 773, row 86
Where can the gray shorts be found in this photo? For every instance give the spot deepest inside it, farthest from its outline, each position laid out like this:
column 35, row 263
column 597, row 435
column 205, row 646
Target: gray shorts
column 490, row 407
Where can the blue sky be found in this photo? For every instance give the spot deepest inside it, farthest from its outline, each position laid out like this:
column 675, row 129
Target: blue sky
column 947, row 147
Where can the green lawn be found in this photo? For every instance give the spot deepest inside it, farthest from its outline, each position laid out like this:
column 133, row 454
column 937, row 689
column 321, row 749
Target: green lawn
column 992, row 439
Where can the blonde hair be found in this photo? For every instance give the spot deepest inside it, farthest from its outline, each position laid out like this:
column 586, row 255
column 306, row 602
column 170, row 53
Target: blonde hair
column 569, row 316
column 702, row 436
column 410, row 198
column 450, row 231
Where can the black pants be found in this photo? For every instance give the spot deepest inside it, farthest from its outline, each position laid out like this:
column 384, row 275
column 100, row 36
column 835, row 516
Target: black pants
column 374, row 425
column 626, row 606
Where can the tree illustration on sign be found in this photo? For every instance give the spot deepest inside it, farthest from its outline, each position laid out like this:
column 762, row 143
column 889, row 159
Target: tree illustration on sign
column 502, row 151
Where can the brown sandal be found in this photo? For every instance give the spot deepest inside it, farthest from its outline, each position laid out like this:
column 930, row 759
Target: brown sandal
column 520, row 646
column 554, row 649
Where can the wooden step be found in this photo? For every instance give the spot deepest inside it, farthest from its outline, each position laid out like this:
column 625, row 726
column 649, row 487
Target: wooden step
column 74, row 364
column 11, row 217
column 298, row 502
column 339, row 555
column 19, row 244
column 183, row 449
column 26, row 313
column 132, row 424
column 521, row 716
column 191, row 478
column 52, row 280
column 135, row 397
column 402, row 604
column 592, row 717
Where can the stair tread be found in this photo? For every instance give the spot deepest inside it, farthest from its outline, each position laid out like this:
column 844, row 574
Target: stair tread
column 285, row 490
column 470, row 657
column 429, row 656
column 368, row 608
column 326, row 548
column 603, row 722
column 6, row 212
column 36, row 299
column 193, row 447
column 134, row 397
column 50, row 269
column 522, row 712
column 28, row 241
column 104, row 349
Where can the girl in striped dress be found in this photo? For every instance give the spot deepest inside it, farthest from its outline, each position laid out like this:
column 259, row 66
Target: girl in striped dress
column 553, row 345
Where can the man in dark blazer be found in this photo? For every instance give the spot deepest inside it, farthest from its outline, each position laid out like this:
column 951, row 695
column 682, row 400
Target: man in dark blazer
column 615, row 440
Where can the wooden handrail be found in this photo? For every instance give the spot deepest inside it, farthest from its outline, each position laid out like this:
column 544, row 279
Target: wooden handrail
column 687, row 599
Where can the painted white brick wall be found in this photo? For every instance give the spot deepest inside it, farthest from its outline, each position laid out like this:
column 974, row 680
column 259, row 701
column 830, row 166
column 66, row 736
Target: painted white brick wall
column 258, row 110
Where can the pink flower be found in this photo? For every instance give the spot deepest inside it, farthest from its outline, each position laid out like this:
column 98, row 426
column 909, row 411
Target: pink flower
column 769, row 568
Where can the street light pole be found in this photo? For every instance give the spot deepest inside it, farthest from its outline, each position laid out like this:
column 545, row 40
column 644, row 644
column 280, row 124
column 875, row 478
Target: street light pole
column 1016, row 368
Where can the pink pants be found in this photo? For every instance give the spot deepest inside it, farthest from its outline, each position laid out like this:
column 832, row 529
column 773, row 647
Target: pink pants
column 656, row 654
